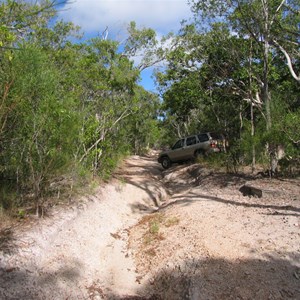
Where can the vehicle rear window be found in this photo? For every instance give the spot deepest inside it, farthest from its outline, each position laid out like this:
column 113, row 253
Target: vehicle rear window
column 203, row 137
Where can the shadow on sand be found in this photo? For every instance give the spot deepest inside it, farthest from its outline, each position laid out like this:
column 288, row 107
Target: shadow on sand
column 211, row 278
column 193, row 197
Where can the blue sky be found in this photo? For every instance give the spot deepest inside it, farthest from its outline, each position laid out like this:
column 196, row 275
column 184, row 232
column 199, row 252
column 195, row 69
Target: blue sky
column 93, row 16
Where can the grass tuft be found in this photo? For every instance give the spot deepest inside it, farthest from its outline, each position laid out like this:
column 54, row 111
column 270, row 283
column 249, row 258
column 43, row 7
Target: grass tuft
column 155, row 225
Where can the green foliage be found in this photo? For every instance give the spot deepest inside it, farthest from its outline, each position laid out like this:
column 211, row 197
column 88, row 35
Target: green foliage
column 67, row 111
column 156, row 223
column 248, row 141
column 290, row 127
column 8, row 195
column 143, row 124
column 143, row 41
column 75, row 109
column 216, row 72
column 40, row 133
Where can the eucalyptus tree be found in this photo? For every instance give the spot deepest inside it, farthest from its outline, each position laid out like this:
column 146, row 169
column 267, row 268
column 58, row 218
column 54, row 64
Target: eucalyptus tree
column 41, row 131
column 204, row 80
column 63, row 105
column 144, row 46
column 143, row 124
column 20, row 22
column 37, row 120
column 68, row 108
column 107, row 80
column 16, row 20
column 271, row 23
column 20, row 18
column 273, row 27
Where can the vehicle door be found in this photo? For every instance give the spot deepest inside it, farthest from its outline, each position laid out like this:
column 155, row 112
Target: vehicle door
column 177, row 152
column 191, row 146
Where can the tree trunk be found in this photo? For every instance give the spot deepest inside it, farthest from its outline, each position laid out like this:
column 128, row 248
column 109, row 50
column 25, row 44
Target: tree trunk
column 265, row 89
column 252, row 135
column 252, row 111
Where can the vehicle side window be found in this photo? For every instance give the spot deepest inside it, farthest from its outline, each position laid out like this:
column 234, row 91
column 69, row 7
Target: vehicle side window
column 203, row 137
column 178, row 144
column 191, row 141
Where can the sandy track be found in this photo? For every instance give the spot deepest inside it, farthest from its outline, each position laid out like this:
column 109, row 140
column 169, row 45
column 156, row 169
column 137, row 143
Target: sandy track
column 221, row 245
column 185, row 233
column 81, row 253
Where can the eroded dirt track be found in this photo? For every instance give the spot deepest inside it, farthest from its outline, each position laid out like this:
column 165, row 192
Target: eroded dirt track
column 81, row 252
column 185, row 233
column 214, row 243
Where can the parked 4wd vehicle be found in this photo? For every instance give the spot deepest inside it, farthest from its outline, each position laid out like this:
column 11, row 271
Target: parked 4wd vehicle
column 191, row 147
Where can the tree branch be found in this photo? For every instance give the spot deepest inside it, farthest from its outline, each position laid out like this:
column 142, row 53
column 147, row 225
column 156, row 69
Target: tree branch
column 277, row 10
column 288, row 59
column 104, row 132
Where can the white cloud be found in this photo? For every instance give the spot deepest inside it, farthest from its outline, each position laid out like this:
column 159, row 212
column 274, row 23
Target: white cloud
column 94, row 15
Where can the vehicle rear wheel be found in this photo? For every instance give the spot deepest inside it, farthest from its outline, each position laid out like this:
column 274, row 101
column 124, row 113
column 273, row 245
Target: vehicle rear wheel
column 199, row 154
column 166, row 163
